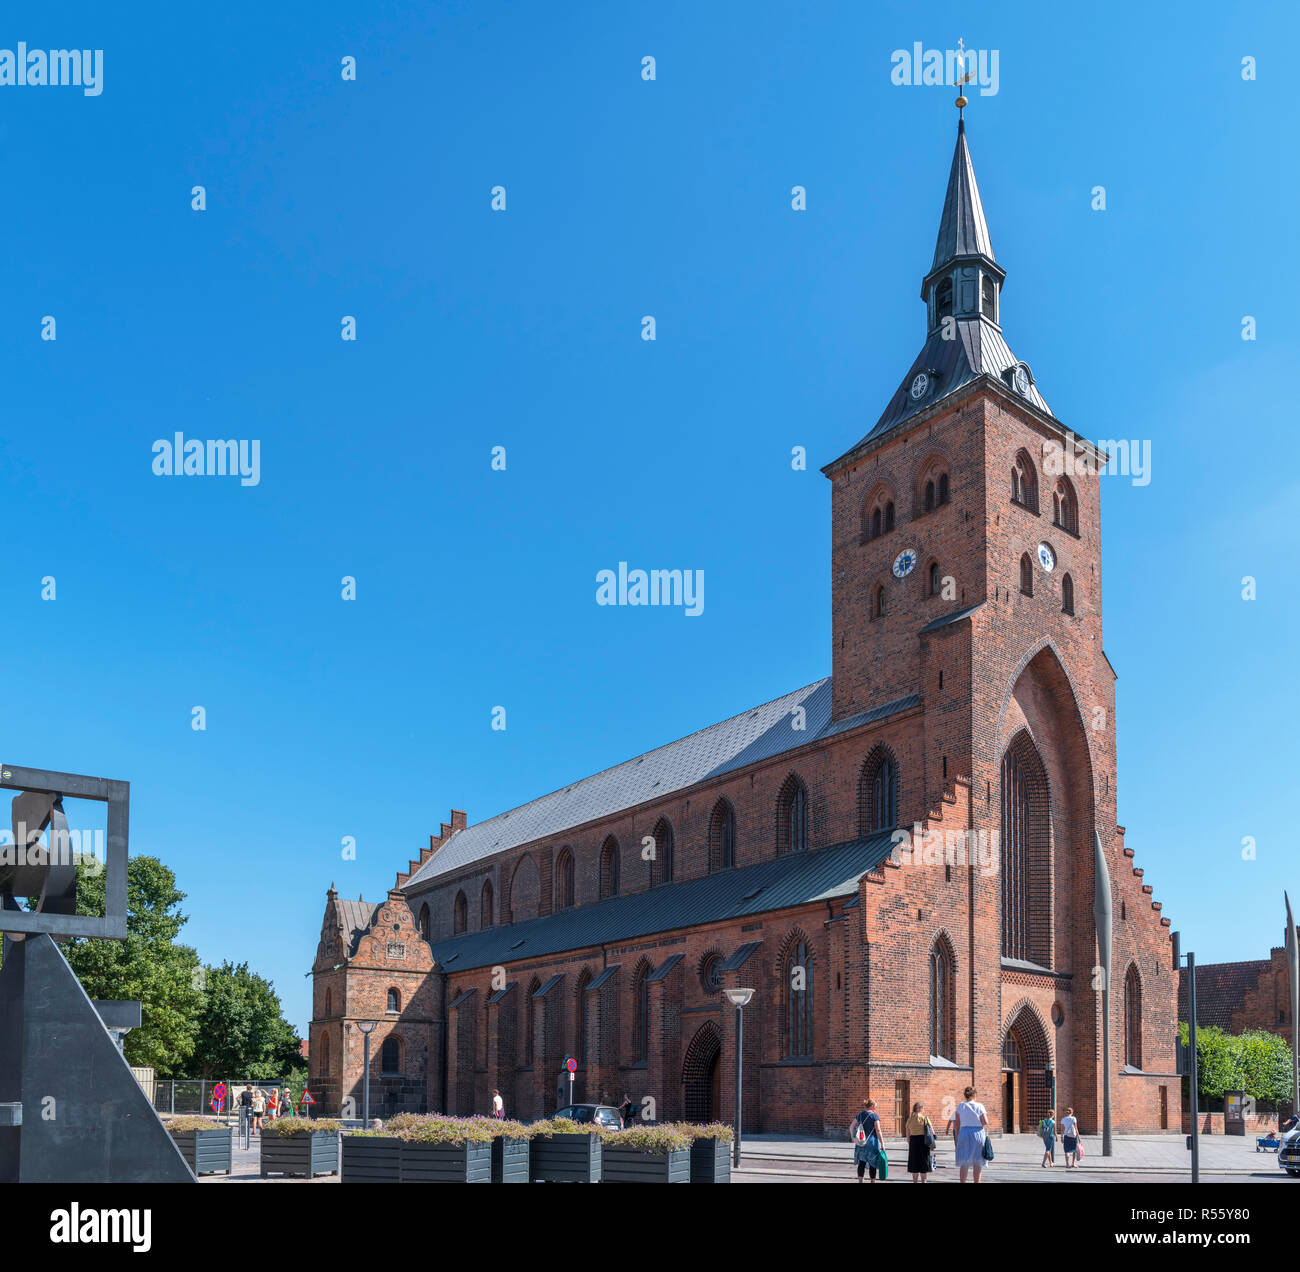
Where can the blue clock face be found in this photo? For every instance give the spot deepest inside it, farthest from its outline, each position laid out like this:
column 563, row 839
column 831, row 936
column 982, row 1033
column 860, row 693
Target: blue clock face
column 904, row 563
column 1046, row 557
column 920, row 383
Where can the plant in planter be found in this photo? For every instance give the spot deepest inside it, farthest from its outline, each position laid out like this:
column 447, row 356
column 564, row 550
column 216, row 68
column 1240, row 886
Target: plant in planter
column 445, row 1150
column 562, row 1151
column 370, row 1157
column 710, row 1151
column 646, row 1155
column 301, row 1146
column 205, row 1144
column 510, row 1150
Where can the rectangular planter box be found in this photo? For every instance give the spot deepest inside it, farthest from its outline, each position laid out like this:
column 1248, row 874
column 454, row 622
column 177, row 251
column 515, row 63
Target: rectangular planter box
column 446, row 1164
column 710, row 1161
column 565, row 1159
column 311, row 1154
column 371, row 1160
column 509, row 1161
column 207, row 1151
column 631, row 1166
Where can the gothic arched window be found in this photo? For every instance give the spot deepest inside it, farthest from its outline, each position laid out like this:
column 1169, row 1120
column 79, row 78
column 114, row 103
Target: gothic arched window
column 792, row 816
column 878, row 793
column 460, row 913
column 877, row 522
column 1065, row 506
column 1026, row 917
column 641, row 1013
column 390, row 1056
column 929, row 496
column 526, row 1011
column 797, row 981
column 485, row 905
column 889, row 515
column 661, row 870
column 1133, row 1018
column 394, row 1001
column 1026, row 575
column 936, row 581
column 424, row 920
column 564, row 880
column 609, row 868
column 880, row 601
column 1067, row 594
column 722, row 836
column 943, row 488
column 1024, row 482
column 942, row 1002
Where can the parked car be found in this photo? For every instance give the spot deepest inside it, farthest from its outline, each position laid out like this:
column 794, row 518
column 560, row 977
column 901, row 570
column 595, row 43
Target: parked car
column 1288, row 1156
column 601, row 1114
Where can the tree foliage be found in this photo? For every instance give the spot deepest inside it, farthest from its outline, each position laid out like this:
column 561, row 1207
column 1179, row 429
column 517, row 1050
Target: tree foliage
column 242, row 1032
column 1255, row 1062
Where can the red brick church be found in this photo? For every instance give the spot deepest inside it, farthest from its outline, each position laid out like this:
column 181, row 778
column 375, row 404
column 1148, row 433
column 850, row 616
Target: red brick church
column 897, row 859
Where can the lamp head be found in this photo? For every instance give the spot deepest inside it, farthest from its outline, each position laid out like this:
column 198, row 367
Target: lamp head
column 738, row 997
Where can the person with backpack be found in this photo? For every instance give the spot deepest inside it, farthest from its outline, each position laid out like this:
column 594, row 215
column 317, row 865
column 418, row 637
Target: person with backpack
column 259, row 1108
column 1070, row 1138
column 920, row 1144
column 1047, row 1129
column 868, row 1151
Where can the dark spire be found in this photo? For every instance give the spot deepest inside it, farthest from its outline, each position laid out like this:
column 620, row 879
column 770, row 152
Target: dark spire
column 963, row 231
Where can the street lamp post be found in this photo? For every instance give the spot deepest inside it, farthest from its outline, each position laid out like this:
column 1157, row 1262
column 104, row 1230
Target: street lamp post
column 367, row 1027
column 738, row 998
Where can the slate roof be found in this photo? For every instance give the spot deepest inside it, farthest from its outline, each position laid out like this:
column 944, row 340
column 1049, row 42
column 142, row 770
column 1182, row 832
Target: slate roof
column 963, row 230
column 794, row 879
column 356, row 918
column 761, row 733
column 1220, row 987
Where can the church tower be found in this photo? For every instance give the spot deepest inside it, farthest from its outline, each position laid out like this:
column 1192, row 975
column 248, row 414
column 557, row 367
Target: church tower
column 966, row 571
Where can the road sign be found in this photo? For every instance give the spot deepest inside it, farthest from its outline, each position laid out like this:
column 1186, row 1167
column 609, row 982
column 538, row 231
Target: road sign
column 571, row 1064
column 218, row 1104
column 306, row 1098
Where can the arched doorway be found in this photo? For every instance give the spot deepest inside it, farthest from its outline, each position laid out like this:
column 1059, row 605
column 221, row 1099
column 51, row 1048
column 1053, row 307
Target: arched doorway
column 700, row 1075
column 1025, row 1059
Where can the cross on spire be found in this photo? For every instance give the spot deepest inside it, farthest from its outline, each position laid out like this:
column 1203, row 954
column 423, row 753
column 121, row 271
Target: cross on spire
column 963, row 77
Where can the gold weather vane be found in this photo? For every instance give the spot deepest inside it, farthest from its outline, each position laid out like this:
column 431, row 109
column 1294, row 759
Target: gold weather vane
column 963, row 77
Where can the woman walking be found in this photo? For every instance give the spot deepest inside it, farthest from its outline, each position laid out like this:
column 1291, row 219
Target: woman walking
column 868, row 1151
column 972, row 1122
column 1047, row 1129
column 1070, row 1138
column 920, row 1144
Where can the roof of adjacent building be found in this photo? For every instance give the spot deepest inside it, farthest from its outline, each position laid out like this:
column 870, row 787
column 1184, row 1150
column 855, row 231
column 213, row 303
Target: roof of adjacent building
column 766, row 731
column 1220, row 987
column 798, row 878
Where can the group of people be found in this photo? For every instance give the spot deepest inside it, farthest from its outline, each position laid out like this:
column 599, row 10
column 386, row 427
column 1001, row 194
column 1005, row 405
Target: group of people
column 256, row 1104
column 969, row 1127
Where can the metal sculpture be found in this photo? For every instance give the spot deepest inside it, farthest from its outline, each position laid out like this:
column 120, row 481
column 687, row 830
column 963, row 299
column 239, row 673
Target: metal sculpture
column 71, row 1111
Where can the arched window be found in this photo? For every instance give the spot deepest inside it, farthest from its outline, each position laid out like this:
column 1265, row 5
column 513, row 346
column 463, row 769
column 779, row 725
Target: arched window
column 792, row 816
column 1026, row 575
column 929, row 496
column 877, row 522
column 662, row 867
column 936, row 581
column 880, row 601
column 324, row 1055
column 1024, row 482
column 329, row 1004
column 878, row 793
column 1065, row 506
column 609, row 868
column 580, row 1017
column 564, row 880
column 1026, row 931
column 943, row 488
column 889, row 515
column 878, row 512
column 485, row 905
column 424, row 920
column 722, row 836
column 641, row 1013
column 390, row 1056
column 796, row 978
column 460, row 913
column 988, row 301
column 943, row 298
column 526, row 1010
column 1133, row 1017
column 943, row 999
column 1067, row 594
column 394, row 1001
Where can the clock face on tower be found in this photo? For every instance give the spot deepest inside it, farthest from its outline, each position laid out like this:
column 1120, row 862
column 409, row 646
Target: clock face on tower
column 920, row 384
column 904, row 563
column 1046, row 557
column 1022, row 381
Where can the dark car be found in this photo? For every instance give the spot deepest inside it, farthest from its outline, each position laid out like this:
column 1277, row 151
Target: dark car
column 601, row 1114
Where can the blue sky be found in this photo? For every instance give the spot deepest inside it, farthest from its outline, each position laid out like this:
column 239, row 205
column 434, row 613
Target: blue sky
column 475, row 329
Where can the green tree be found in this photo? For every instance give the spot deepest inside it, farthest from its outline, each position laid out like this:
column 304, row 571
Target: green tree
column 1265, row 1062
column 242, row 1032
column 148, row 965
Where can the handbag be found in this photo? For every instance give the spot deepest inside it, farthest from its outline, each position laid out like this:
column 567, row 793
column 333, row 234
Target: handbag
column 988, row 1148
column 929, row 1137
column 1078, row 1150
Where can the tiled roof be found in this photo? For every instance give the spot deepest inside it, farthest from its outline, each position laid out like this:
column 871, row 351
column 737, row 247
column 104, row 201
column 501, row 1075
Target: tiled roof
column 356, row 918
column 777, row 884
column 759, row 734
column 1220, row 987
